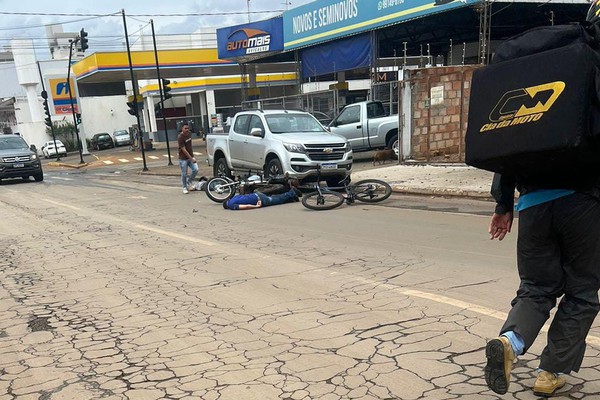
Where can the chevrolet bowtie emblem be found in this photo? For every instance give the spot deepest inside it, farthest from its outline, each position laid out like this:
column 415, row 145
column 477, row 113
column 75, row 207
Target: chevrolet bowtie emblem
column 328, row 150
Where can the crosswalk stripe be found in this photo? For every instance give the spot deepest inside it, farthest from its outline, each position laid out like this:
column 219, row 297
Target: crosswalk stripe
column 107, row 162
column 153, row 157
column 137, row 158
column 124, row 160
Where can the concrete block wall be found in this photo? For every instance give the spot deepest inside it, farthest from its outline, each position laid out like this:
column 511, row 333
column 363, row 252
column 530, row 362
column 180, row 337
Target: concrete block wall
column 439, row 129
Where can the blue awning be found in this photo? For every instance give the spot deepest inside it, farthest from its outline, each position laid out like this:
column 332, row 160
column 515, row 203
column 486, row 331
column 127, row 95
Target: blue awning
column 340, row 55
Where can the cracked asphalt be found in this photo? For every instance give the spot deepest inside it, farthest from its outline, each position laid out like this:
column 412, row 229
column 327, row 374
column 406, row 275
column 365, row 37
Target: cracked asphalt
column 114, row 289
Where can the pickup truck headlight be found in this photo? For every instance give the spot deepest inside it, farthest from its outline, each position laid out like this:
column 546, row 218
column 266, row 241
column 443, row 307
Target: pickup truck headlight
column 294, row 148
column 348, row 146
column 33, row 157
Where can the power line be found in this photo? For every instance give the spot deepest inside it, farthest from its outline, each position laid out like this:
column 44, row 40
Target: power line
column 52, row 24
column 189, row 14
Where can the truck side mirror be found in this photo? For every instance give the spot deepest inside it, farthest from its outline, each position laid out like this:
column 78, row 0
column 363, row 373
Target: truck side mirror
column 257, row 132
column 33, row 148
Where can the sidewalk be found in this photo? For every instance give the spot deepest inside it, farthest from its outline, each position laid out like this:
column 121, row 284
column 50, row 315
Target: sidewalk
column 440, row 180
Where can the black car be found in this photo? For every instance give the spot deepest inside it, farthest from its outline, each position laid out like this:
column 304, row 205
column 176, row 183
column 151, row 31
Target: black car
column 18, row 160
column 102, row 141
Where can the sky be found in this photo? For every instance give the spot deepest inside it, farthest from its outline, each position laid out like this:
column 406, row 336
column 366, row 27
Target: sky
column 26, row 18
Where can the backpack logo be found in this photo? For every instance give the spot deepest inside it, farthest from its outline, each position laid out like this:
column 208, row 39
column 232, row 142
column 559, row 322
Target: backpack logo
column 525, row 105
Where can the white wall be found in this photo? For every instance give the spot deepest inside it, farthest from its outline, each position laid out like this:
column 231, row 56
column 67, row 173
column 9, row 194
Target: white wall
column 104, row 114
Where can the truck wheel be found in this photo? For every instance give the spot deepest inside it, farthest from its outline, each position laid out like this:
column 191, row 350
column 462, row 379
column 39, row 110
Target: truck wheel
column 394, row 144
column 273, row 168
column 221, row 168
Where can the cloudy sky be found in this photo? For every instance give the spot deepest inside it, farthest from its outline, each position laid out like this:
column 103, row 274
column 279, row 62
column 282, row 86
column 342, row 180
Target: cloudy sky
column 26, row 18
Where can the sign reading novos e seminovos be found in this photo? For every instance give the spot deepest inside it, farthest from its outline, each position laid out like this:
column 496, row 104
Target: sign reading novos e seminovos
column 328, row 19
column 250, row 39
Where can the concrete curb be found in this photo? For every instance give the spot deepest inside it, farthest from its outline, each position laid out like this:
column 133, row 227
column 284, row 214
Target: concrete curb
column 441, row 192
column 59, row 164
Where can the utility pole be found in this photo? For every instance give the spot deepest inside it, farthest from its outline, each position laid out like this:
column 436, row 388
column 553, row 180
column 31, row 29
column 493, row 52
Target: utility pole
column 135, row 92
column 160, row 89
column 47, row 110
column 70, row 90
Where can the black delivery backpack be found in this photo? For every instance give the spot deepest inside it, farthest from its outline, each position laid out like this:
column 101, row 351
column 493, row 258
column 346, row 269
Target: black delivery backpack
column 536, row 109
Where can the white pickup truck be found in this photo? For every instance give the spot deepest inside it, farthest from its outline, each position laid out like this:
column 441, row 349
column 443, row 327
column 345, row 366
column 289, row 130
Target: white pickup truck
column 279, row 142
column 367, row 127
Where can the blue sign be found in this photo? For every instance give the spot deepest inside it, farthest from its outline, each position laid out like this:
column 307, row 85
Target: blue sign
column 256, row 38
column 328, row 19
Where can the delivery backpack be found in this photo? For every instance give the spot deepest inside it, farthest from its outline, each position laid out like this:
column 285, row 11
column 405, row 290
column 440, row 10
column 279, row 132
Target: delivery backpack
column 535, row 110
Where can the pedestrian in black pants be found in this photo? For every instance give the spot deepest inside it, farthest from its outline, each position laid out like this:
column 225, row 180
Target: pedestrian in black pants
column 558, row 254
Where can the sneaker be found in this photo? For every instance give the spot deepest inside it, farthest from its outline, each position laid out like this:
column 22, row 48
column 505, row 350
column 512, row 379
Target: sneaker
column 191, row 188
column 500, row 359
column 185, row 191
column 547, row 383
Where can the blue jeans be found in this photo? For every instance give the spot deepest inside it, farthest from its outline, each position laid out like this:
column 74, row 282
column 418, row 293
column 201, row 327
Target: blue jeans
column 184, row 164
column 286, row 197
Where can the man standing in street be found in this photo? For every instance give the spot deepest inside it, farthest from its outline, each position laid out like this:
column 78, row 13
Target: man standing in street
column 186, row 158
column 558, row 254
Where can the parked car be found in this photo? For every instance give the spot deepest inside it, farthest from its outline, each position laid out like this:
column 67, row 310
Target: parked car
column 122, row 138
column 48, row 149
column 102, row 141
column 18, row 160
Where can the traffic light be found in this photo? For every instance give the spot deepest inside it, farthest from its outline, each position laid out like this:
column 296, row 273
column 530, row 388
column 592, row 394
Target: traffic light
column 158, row 110
column 83, row 40
column 48, row 119
column 132, row 107
column 166, row 89
column 78, row 118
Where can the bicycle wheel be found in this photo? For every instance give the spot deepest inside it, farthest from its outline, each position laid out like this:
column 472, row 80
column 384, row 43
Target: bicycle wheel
column 219, row 189
column 326, row 200
column 371, row 190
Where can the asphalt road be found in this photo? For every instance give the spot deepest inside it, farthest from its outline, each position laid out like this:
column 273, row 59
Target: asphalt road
column 118, row 286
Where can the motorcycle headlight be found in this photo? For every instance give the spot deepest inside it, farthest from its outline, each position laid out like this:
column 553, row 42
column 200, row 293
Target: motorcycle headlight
column 294, row 148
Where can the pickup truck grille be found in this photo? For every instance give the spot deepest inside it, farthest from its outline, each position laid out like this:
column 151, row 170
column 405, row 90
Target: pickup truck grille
column 16, row 159
column 326, row 152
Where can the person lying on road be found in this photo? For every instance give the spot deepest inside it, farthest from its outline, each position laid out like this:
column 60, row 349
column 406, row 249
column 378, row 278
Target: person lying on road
column 258, row 200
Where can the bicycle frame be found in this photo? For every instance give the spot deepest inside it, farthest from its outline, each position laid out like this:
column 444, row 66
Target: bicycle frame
column 348, row 194
column 330, row 197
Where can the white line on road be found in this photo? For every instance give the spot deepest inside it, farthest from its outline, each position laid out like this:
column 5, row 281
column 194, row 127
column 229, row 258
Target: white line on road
column 56, row 203
column 153, row 157
column 124, row 160
column 62, row 179
column 592, row 340
column 175, row 235
column 107, row 162
column 137, row 158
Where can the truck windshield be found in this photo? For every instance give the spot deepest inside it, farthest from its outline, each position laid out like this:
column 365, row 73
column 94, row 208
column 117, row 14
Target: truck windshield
column 12, row 143
column 288, row 123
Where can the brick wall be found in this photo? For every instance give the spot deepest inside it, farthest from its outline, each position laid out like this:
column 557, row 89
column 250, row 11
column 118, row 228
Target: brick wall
column 439, row 129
